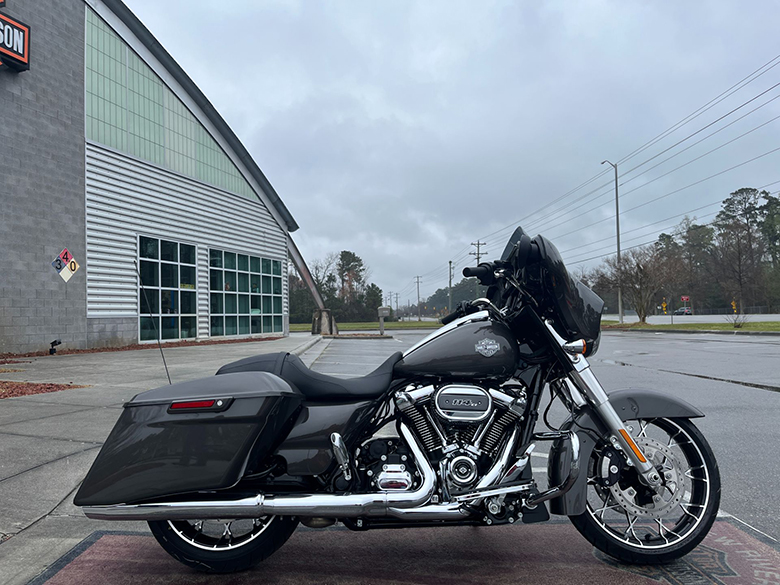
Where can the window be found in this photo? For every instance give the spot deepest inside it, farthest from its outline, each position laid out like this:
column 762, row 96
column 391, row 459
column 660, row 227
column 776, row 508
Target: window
column 168, row 290
column 128, row 107
column 245, row 294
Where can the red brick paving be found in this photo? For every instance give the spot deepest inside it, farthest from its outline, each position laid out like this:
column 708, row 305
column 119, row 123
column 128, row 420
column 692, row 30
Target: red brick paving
column 538, row 554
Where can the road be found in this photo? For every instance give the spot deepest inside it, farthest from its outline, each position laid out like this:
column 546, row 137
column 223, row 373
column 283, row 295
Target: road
column 678, row 319
column 719, row 375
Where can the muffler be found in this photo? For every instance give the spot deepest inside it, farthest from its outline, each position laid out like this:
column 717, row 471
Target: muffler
column 317, row 505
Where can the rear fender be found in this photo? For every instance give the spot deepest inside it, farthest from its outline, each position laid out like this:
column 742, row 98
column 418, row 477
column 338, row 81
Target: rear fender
column 630, row 404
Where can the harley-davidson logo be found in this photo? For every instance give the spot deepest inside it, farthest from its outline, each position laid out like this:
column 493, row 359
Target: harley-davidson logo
column 487, row 347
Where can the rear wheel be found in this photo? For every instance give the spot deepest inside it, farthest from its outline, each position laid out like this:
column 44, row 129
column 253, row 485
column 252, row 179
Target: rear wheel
column 633, row 523
column 223, row 546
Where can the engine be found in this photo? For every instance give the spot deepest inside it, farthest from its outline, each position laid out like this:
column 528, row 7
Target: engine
column 461, row 427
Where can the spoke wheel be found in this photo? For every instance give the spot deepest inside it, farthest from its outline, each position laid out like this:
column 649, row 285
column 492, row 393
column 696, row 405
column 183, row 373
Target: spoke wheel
column 634, row 523
column 223, row 546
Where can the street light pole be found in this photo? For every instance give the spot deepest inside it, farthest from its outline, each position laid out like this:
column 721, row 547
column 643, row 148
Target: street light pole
column 617, row 232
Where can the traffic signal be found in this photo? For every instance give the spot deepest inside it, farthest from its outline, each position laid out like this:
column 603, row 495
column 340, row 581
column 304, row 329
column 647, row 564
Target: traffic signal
column 734, row 305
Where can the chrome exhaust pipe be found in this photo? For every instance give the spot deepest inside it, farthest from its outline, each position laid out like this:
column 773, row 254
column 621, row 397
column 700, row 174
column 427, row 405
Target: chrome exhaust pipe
column 317, row 505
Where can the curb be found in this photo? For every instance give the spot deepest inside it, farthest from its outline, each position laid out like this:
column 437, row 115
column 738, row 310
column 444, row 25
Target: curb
column 304, row 347
column 708, row 331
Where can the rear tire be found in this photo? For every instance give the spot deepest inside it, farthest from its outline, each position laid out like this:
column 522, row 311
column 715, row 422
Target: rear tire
column 623, row 521
column 199, row 545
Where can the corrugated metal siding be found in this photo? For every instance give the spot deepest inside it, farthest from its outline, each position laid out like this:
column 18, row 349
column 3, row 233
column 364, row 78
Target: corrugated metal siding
column 126, row 197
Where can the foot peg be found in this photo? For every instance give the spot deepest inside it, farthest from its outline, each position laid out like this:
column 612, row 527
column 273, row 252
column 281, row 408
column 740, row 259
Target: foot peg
column 341, row 454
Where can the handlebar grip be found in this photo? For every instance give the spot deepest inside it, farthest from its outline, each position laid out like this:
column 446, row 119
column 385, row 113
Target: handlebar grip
column 478, row 271
column 451, row 317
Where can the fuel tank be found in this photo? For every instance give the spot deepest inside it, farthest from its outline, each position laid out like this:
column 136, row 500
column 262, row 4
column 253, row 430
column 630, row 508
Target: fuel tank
column 473, row 349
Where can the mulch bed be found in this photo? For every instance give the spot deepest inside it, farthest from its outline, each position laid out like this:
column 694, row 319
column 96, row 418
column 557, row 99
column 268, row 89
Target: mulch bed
column 16, row 389
column 6, row 362
column 4, row 356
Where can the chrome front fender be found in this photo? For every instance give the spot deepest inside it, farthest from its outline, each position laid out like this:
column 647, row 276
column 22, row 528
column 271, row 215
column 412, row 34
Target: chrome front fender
column 630, row 404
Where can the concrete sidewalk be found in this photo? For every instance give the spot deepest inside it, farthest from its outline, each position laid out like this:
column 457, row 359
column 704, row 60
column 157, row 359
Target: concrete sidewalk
column 48, row 441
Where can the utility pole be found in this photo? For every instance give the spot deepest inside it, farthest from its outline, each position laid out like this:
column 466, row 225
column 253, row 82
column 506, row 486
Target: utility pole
column 617, row 232
column 449, row 293
column 479, row 255
column 419, row 315
column 396, row 302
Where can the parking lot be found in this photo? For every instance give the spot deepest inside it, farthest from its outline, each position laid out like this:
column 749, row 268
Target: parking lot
column 731, row 379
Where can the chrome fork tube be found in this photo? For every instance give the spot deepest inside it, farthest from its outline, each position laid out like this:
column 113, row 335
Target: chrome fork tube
column 586, row 381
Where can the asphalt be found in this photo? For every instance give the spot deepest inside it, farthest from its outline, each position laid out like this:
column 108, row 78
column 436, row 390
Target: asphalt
column 48, row 441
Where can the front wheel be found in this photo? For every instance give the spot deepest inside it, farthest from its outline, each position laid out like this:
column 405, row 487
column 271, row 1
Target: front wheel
column 633, row 523
column 223, row 546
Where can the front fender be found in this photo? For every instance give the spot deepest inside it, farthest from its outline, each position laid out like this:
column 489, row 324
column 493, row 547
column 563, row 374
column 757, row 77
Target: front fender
column 630, row 404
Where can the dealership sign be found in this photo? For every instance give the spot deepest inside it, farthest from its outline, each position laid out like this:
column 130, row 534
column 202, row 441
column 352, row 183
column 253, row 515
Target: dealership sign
column 14, row 43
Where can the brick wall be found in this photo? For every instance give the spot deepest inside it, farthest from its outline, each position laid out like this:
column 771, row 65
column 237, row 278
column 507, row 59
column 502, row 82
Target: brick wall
column 42, row 181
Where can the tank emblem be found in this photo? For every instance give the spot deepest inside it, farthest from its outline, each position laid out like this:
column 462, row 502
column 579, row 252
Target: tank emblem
column 487, row 347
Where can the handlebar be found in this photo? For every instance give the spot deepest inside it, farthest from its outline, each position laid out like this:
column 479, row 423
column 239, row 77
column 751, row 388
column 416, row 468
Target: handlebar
column 451, row 317
column 480, row 271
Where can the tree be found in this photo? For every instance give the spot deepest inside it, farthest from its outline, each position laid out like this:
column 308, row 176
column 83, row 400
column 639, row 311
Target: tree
column 738, row 245
column 641, row 275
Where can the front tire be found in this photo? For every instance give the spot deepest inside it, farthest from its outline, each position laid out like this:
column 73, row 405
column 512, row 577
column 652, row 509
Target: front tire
column 223, row 546
column 630, row 523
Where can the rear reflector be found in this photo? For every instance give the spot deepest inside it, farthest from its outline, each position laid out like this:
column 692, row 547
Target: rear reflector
column 193, row 404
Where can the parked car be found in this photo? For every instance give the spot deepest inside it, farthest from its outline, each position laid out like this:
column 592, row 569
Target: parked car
column 684, row 311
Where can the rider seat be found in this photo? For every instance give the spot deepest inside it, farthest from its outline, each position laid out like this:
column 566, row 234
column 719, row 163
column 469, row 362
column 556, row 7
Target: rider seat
column 315, row 386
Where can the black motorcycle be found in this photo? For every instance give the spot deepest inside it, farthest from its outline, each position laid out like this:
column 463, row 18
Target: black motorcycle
column 225, row 468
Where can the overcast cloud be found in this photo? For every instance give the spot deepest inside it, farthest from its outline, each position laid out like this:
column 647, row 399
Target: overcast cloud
column 406, row 130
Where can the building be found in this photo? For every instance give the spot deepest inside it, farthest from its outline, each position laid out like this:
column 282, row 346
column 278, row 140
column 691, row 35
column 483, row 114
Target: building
column 128, row 205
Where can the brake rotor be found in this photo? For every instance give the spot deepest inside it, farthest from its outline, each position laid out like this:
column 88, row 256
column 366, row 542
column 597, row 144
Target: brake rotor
column 639, row 502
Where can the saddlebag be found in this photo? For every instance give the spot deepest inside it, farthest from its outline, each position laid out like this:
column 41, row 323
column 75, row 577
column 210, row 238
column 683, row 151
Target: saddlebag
column 193, row 436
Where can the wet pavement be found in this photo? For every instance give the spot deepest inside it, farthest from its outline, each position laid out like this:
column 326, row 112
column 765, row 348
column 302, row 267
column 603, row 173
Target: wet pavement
column 60, row 546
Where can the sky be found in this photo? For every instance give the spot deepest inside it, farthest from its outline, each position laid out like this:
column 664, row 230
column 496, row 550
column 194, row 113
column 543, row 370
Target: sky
column 405, row 131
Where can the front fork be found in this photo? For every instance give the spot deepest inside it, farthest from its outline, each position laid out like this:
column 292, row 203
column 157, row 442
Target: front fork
column 585, row 381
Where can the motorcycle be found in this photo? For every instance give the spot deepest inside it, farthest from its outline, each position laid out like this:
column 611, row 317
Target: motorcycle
column 223, row 469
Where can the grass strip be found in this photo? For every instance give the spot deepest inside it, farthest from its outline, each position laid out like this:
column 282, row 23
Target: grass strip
column 373, row 326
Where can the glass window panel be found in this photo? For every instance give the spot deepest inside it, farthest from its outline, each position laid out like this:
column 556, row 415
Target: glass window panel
column 277, row 305
column 256, row 305
column 268, row 325
column 189, row 327
column 148, row 248
column 187, row 253
column 231, row 304
column 277, row 268
column 149, row 273
column 230, row 260
column 217, row 303
column 278, row 325
column 217, row 326
column 215, row 258
column 243, row 282
column 169, row 251
column 243, row 304
column 231, row 325
column 170, row 328
column 277, row 286
column 187, row 277
column 189, row 302
column 215, row 280
column 148, row 328
column 266, row 266
column 230, row 281
column 257, row 325
column 243, row 326
column 169, row 302
column 268, row 306
column 255, row 264
column 243, row 262
column 267, row 285
column 150, row 302
column 169, row 275
column 255, row 284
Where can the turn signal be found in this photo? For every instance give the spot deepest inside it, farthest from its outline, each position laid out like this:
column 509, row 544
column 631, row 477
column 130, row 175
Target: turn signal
column 575, row 347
